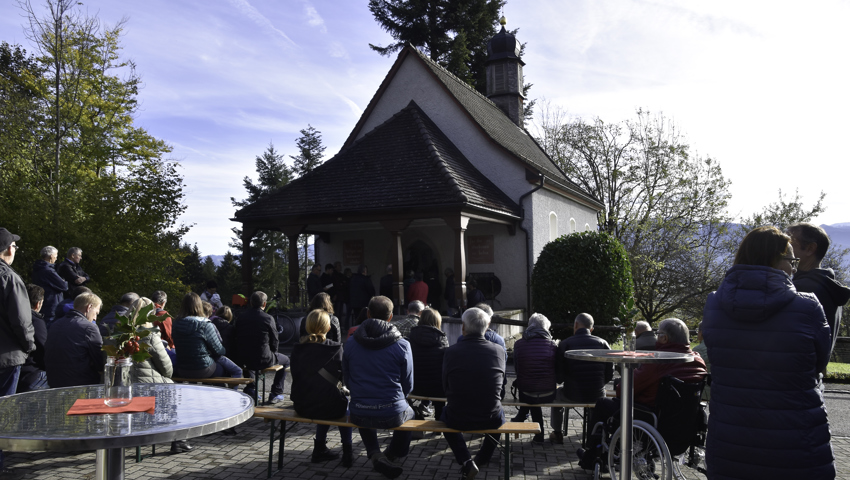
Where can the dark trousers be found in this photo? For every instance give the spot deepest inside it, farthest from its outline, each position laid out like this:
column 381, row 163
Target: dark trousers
column 536, row 412
column 399, row 445
column 279, row 376
column 9, row 380
column 458, row 444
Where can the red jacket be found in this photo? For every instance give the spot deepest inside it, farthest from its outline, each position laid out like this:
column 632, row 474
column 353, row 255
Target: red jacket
column 649, row 375
column 418, row 291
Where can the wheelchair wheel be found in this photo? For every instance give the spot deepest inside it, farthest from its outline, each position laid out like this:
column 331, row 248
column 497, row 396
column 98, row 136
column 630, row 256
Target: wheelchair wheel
column 287, row 331
column 651, row 460
column 596, row 469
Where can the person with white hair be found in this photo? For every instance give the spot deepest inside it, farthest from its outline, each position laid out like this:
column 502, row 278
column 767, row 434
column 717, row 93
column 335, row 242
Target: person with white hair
column 490, row 334
column 44, row 275
column 71, row 271
column 474, row 379
column 644, row 336
column 534, row 361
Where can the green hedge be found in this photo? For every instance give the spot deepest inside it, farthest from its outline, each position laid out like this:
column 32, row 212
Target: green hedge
column 587, row 272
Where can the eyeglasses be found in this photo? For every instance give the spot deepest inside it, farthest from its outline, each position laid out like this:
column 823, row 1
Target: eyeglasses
column 794, row 261
column 16, row 247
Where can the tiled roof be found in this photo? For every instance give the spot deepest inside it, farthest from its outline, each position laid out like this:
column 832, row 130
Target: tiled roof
column 501, row 129
column 405, row 164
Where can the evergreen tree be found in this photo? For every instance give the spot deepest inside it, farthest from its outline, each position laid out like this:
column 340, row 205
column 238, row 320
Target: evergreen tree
column 228, row 276
column 310, row 151
column 453, row 33
column 193, row 268
column 268, row 252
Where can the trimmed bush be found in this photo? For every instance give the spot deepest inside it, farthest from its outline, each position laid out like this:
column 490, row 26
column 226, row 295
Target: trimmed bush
column 587, row 272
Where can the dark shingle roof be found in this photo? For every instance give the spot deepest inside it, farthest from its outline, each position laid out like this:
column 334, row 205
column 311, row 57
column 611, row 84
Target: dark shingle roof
column 501, row 129
column 405, row 164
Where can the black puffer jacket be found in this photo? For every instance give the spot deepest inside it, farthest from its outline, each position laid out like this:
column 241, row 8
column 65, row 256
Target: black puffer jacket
column 767, row 344
column 196, row 343
column 534, row 358
column 583, row 381
column 312, row 394
column 429, row 346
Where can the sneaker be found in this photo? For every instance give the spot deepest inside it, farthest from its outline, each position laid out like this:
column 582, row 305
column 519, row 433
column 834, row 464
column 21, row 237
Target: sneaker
column 385, row 467
column 557, row 438
column 469, row 470
column 276, row 399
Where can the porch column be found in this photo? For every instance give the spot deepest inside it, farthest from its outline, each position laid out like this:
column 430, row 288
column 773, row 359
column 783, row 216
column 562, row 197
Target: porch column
column 396, row 227
column 459, row 223
column 292, row 232
column 247, row 265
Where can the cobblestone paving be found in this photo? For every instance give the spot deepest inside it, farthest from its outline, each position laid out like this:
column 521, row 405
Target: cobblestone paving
column 245, row 456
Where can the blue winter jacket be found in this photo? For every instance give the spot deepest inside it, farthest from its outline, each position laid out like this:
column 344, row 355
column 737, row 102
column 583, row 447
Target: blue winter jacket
column 767, row 342
column 44, row 275
column 196, row 343
column 377, row 365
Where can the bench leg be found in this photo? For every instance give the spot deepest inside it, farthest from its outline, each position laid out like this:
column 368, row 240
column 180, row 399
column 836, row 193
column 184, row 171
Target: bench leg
column 271, row 449
column 138, row 454
column 507, row 457
column 280, row 447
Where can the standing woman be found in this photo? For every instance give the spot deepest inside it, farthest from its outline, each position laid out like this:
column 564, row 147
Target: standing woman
column 316, row 376
column 767, row 342
column 322, row 301
column 199, row 351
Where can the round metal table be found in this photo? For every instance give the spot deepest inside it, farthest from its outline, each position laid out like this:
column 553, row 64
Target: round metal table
column 629, row 363
column 37, row 421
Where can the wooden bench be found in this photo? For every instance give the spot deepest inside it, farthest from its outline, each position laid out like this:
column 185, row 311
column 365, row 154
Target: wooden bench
column 516, row 403
column 287, row 415
column 214, row 380
column 262, row 374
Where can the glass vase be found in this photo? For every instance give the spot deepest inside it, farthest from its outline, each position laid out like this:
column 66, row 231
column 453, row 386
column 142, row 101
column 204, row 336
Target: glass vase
column 118, row 386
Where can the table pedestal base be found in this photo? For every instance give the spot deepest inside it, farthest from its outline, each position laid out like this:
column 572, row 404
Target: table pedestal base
column 627, row 421
column 109, row 464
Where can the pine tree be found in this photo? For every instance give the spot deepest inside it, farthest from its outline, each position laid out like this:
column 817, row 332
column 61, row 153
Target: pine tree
column 310, row 150
column 453, row 33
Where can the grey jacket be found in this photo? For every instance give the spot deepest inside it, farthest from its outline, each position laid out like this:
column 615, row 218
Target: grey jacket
column 158, row 368
column 17, row 337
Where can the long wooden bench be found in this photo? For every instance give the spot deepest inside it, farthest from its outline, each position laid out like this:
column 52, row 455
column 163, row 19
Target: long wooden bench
column 271, row 414
column 214, row 380
column 518, row 404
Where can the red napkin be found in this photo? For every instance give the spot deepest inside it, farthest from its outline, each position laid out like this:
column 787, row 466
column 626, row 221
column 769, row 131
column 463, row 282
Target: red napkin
column 631, row 354
column 94, row 406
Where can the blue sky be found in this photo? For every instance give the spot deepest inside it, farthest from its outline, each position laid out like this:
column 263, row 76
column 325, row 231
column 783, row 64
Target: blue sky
column 759, row 86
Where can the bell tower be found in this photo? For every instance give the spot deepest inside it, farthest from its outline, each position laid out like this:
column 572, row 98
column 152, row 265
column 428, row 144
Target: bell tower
column 504, row 74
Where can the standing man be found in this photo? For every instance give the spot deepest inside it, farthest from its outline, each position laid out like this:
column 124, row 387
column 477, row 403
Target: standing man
column 44, row 275
column 314, row 282
column 377, row 365
column 418, row 290
column 386, row 287
column 72, row 353
column 450, row 295
column 361, row 290
column 810, row 243
column 17, row 337
column 256, row 344
column 210, row 295
column 72, row 272
column 584, row 382
column 327, row 280
column 474, row 380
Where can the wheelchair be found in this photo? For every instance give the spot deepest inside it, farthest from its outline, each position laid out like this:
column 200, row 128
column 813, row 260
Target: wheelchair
column 664, row 439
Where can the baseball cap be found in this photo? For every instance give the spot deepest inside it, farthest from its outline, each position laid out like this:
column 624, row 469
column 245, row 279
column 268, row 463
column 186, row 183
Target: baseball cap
column 6, row 238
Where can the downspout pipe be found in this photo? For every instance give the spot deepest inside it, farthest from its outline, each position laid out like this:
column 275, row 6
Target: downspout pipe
column 528, row 252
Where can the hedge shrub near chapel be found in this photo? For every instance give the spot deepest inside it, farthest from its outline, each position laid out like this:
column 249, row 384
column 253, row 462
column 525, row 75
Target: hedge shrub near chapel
column 585, row 272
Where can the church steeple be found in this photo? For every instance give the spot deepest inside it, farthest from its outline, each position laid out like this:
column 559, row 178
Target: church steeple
column 504, row 74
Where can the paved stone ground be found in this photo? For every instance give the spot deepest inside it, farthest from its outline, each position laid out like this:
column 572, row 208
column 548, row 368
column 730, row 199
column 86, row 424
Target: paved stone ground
column 244, row 456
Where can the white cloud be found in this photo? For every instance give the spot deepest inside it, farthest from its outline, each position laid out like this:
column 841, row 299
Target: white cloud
column 314, row 19
column 249, row 11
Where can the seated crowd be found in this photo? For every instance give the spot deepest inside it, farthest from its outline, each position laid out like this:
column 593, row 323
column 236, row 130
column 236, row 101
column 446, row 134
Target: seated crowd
column 367, row 376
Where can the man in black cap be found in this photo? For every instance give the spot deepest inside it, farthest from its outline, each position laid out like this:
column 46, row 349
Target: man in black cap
column 17, row 336
column 16, row 331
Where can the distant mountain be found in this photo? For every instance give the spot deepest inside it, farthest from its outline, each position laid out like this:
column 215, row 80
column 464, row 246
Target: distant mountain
column 217, row 259
column 839, row 233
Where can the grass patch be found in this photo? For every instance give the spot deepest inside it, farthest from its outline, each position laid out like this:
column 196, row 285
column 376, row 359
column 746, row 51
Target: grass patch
column 838, row 372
